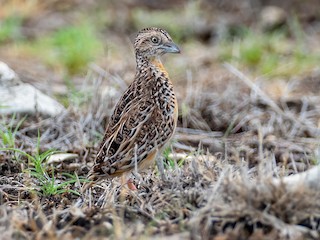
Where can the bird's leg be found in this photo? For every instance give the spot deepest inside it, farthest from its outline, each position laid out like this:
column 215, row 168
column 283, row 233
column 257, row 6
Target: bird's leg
column 160, row 165
column 131, row 185
column 124, row 191
column 129, row 182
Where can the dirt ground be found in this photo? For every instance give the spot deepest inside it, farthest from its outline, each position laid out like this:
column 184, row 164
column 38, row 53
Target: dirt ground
column 237, row 131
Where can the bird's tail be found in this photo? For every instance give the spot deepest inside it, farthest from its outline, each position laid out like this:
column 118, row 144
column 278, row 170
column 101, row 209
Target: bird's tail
column 91, row 179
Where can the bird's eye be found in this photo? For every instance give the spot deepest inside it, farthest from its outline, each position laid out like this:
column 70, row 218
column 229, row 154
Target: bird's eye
column 154, row 39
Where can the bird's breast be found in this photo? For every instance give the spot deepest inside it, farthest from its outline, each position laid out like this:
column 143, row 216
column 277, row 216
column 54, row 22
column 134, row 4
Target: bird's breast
column 163, row 95
column 161, row 90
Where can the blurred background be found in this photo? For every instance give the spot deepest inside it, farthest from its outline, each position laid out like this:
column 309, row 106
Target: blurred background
column 56, row 41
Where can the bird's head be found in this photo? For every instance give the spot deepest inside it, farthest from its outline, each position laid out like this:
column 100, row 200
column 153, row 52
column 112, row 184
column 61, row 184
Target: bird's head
column 154, row 42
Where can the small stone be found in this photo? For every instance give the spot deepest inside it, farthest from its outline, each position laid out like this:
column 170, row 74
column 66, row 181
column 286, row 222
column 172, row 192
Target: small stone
column 272, row 17
column 7, row 76
column 60, row 157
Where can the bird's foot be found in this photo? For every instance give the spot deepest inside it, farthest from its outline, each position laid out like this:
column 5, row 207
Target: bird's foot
column 126, row 190
column 131, row 185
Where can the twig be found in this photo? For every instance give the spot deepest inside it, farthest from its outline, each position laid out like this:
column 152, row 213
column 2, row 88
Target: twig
column 199, row 132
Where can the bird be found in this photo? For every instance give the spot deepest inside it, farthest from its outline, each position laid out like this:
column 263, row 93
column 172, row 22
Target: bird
column 145, row 117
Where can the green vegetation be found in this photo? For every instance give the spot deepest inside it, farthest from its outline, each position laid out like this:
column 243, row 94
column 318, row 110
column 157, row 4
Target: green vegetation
column 69, row 49
column 75, row 46
column 45, row 176
column 169, row 162
column 10, row 29
column 270, row 54
column 8, row 132
column 38, row 169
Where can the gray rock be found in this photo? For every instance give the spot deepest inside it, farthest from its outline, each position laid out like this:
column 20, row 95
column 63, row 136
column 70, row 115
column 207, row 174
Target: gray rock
column 7, row 76
column 19, row 97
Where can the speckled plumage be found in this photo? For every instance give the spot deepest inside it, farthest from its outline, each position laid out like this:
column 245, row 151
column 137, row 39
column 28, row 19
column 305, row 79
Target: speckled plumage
column 145, row 117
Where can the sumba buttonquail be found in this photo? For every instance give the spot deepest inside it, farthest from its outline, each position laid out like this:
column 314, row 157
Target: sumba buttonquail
column 145, row 117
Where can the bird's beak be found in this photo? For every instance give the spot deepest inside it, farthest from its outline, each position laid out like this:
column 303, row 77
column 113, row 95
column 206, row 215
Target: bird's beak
column 171, row 47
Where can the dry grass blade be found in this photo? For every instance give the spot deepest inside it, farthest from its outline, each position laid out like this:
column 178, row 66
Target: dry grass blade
column 269, row 101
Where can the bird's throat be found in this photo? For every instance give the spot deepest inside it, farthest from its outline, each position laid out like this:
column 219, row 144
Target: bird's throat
column 157, row 62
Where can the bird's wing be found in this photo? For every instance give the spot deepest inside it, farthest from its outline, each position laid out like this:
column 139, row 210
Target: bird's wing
column 131, row 137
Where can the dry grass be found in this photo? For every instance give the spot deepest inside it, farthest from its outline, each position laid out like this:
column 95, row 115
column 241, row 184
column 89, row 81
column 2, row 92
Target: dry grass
column 201, row 200
column 227, row 195
column 236, row 133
